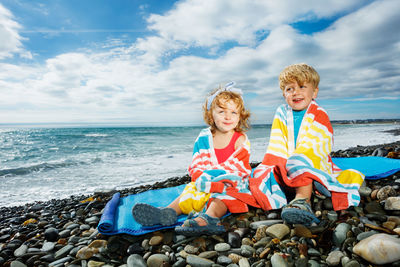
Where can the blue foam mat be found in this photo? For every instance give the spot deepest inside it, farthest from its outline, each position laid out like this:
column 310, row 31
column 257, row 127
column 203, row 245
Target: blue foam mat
column 372, row 167
column 117, row 215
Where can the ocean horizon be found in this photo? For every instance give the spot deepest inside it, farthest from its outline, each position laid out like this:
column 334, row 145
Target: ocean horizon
column 42, row 163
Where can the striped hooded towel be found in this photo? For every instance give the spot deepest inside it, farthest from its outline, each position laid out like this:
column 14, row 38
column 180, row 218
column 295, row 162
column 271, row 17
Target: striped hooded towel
column 227, row 181
column 297, row 165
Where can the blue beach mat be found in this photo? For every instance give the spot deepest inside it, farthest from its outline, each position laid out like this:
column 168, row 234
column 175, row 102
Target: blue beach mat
column 372, row 167
column 117, row 215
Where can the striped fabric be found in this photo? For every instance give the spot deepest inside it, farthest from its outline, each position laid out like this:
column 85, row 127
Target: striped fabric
column 227, row 181
column 310, row 159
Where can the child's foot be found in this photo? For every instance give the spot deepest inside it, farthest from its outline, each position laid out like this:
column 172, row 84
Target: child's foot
column 298, row 211
column 206, row 226
column 148, row 215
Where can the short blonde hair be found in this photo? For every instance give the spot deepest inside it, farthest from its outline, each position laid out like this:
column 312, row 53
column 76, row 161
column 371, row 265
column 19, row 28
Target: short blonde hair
column 220, row 100
column 301, row 73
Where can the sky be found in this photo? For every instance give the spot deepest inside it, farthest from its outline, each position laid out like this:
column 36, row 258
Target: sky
column 151, row 62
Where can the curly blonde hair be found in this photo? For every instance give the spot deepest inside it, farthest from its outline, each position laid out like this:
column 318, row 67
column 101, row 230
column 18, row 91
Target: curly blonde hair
column 301, row 73
column 220, row 101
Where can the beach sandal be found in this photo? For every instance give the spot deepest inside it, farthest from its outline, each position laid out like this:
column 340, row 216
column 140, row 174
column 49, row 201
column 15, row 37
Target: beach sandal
column 298, row 211
column 148, row 215
column 192, row 228
column 322, row 189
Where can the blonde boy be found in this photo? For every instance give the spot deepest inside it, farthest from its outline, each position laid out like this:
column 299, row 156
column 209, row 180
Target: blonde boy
column 299, row 149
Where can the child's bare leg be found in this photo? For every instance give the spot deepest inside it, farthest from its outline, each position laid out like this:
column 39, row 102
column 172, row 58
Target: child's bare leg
column 304, row 191
column 217, row 209
column 299, row 209
column 175, row 205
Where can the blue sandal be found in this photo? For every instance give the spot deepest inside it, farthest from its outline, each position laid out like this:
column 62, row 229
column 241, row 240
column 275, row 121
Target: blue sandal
column 298, row 211
column 148, row 215
column 322, row 189
column 192, row 228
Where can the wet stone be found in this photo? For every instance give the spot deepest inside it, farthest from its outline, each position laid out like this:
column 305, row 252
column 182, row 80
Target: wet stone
column 244, row 262
column 392, row 203
column 20, row 251
column 365, row 191
column 247, row 251
column 84, row 227
column 17, row 264
column 364, row 235
column 208, row 254
column 92, row 220
column 255, row 225
column 48, row 258
column 278, row 230
column 48, row 246
column 222, row 247
column 272, row 216
column 278, row 261
column 374, row 207
column 340, row 233
column 61, row 261
column 224, row 260
column 156, row 240
column 332, row 215
column 51, row 234
column 136, row 260
column 63, row 251
column 313, row 263
column 3, row 238
column 334, row 258
column 385, row 192
column 234, row 239
column 93, row 263
column 313, row 252
column 352, row 263
column 135, row 249
column 196, row 261
column 72, row 226
column 157, row 260
column 191, row 249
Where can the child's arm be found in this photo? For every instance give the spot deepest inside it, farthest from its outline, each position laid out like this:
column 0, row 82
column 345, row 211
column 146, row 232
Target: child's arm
column 240, row 141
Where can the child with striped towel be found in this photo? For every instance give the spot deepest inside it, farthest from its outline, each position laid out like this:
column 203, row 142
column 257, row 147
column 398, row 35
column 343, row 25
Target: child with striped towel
column 219, row 170
column 299, row 149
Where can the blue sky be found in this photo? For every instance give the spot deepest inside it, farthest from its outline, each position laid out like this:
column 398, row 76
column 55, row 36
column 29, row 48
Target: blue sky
column 137, row 62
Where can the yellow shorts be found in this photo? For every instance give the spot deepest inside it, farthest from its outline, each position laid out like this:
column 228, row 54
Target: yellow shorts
column 191, row 199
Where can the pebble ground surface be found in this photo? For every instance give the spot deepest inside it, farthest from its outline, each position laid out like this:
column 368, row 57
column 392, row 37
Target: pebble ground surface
column 63, row 232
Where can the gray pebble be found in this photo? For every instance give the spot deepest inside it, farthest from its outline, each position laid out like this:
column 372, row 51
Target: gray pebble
column 340, row 233
column 224, row 260
column 196, row 261
column 255, row 225
column 157, row 260
column 135, row 260
column 222, row 247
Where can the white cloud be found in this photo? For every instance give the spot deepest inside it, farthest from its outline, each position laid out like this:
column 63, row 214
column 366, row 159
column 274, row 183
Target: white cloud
column 11, row 41
column 357, row 56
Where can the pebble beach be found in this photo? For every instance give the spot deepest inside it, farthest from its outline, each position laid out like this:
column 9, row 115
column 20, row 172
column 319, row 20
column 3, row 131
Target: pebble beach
column 63, row 232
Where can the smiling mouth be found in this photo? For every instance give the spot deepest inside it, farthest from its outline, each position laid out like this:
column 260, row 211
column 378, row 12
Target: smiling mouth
column 297, row 100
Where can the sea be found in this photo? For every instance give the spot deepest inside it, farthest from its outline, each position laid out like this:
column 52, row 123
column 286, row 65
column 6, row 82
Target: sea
column 44, row 163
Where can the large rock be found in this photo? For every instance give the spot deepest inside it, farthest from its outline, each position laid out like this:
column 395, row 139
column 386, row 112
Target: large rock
column 379, row 249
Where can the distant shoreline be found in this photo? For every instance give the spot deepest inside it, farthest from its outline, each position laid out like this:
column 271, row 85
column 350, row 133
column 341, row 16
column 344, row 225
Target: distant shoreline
column 367, row 121
column 122, row 125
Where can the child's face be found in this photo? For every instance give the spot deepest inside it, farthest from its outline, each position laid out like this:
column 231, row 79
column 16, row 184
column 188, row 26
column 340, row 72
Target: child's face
column 226, row 118
column 299, row 97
